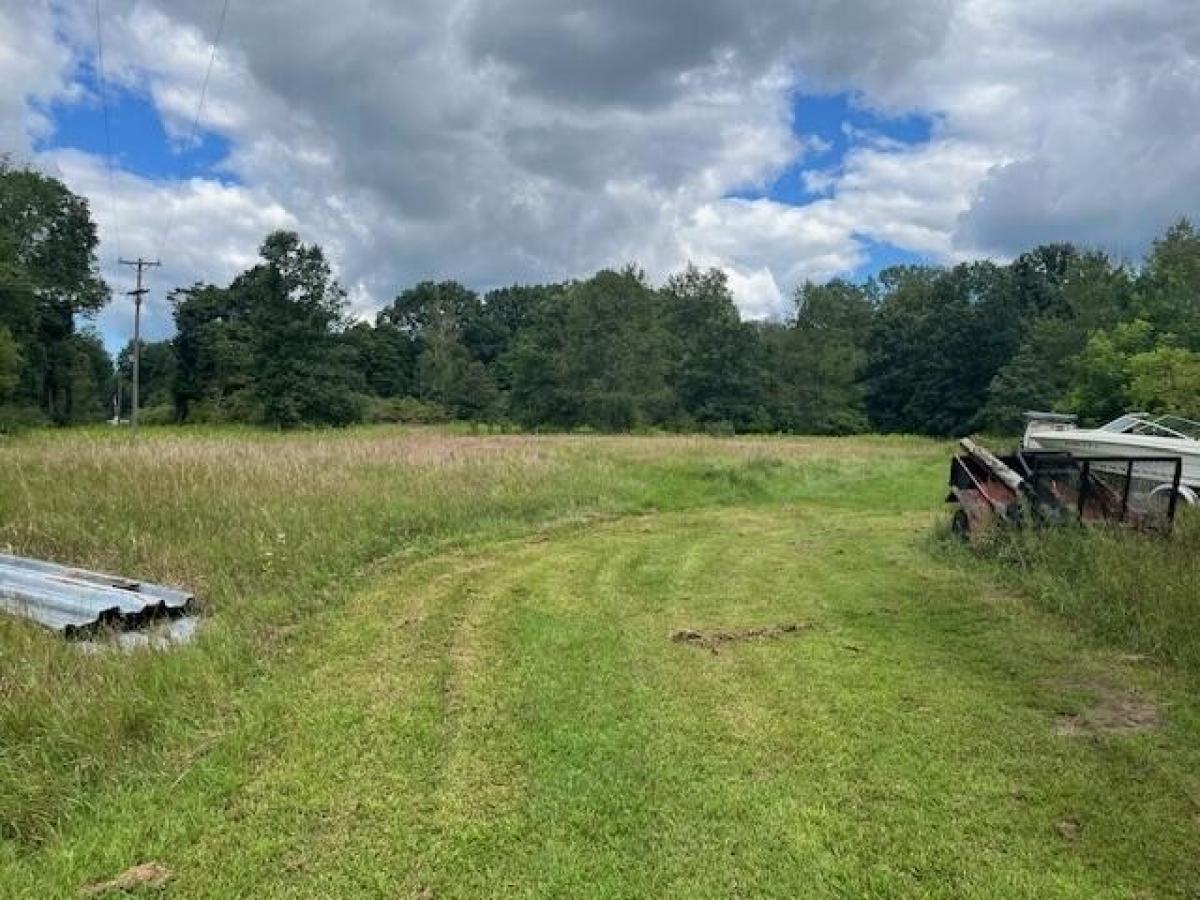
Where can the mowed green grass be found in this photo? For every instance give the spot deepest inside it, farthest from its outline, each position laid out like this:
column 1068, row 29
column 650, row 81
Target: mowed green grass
column 453, row 676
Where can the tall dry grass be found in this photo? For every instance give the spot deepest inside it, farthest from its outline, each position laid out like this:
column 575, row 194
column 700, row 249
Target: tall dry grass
column 272, row 531
column 1136, row 591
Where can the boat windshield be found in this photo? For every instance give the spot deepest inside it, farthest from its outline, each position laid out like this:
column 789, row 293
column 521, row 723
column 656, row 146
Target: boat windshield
column 1156, row 426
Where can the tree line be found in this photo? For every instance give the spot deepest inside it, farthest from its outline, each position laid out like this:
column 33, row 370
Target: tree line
column 921, row 349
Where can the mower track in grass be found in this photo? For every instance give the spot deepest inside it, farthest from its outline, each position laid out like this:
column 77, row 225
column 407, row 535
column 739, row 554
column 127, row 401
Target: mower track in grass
column 516, row 721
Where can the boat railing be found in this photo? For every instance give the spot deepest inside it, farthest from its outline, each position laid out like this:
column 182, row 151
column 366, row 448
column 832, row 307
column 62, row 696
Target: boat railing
column 1166, row 426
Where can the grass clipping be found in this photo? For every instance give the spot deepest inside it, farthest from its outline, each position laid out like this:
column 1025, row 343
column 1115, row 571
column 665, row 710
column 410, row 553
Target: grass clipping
column 151, row 875
column 712, row 640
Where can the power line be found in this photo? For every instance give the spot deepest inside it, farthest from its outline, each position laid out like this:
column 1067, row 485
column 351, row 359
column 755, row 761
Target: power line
column 108, row 155
column 195, row 130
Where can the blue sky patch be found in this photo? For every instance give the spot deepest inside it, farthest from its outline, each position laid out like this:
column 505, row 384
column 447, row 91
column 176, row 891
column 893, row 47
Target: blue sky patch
column 140, row 143
column 838, row 123
column 835, row 124
column 881, row 255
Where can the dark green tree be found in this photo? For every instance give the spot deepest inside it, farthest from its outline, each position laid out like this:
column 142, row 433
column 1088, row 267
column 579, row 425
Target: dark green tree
column 48, row 279
column 156, row 374
column 449, row 377
column 1168, row 291
column 717, row 358
column 294, row 310
column 83, row 372
column 506, row 312
column 1102, row 374
column 817, row 361
column 214, row 352
column 908, row 378
column 10, row 365
column 535, row 370
column 383, row 357
column 598, row 356
column 1091, row 294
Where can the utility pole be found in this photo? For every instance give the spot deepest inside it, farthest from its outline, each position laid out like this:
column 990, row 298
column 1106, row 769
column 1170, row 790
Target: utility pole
column 137, row 294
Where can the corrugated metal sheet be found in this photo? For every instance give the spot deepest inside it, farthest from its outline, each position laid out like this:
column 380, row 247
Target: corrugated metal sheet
column 67, row 599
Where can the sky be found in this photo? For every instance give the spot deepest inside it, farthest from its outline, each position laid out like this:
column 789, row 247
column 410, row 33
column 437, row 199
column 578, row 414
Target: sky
column 502, row 141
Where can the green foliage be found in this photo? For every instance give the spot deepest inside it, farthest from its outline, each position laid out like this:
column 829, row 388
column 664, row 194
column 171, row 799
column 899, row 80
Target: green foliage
column 157, row 374
column 430, row 304
column 48, row 281
column 160, row 414
column 450, row 378
column 816, row 364
column 48, row 232
column 438, row 666
column 1168, row 294
column 1133, row 590
column 272, row 340
column 922, row 349
column 717, row 366
column 601, row 355
column 1167, row 380
column 80, row 381
column 11, row 364
column 403, row 411
column 293, row 308
column 928, row 369
column 383, row 358
column 213, row 349
column 237, row 406
column 19, row 419
column 1102, row 372
column 1088, row 293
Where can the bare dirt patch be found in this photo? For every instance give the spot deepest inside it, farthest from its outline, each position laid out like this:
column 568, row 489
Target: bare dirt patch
column 713, row 640
column 1113, row 711
column 1068, row 830
column 152, row 875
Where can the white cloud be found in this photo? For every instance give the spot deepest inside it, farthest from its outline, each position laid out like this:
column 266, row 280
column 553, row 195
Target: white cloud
column 1086, row 110
column 758, row 293
column 790, row 244
column 500, row 140
column 34, row 70
column 215, row 229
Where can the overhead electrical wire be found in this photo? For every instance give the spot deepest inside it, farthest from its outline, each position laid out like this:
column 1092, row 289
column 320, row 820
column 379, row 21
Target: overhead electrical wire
column 108, row 151
column 195, row 129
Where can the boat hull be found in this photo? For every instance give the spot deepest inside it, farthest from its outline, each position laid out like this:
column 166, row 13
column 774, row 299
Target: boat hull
column 1093, row 442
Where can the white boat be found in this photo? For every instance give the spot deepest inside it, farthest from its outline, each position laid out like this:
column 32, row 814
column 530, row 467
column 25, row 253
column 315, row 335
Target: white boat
column 1133, row 434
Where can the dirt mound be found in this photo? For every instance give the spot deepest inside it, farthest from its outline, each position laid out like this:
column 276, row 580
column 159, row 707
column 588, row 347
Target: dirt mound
column 712, row 640
column 1113, row 711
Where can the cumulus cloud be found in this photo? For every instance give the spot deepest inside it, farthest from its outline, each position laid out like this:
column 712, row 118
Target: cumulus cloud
column 1088, row 111
column 34, row 70
column 502, row 140
column 214, row 228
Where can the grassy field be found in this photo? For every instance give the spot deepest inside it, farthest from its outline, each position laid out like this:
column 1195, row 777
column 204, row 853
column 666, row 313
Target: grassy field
column 443, row 665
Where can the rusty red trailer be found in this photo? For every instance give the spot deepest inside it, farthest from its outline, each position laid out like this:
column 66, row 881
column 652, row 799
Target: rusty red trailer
column 1053, row 487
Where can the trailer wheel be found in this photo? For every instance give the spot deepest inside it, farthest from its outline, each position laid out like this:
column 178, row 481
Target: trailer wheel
column 960, row 525
column 1160, row 498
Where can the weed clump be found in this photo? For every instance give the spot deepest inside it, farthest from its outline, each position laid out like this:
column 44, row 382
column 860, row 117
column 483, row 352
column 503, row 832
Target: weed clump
column 1134, row 590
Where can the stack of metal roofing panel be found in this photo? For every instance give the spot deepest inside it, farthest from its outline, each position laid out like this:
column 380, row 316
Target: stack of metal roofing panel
column 68, row 599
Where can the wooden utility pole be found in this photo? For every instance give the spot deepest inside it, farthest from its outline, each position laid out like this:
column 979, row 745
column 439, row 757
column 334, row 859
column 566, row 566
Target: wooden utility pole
column 136, row 398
